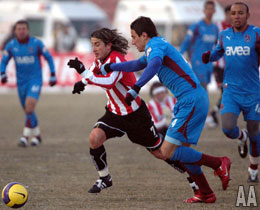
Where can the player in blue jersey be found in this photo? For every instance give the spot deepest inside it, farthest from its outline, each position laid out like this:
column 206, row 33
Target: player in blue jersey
column 26, row 52
column 191, row 108
column 201, row 37
column 240, row 46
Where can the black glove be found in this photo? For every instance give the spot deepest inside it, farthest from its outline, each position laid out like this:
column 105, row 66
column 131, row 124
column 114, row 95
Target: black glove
column 132, row 94
column 76, row 64
column 53, row 79
column 78, row 87
column 3, row 78
column 105, row 68
column 205, row 57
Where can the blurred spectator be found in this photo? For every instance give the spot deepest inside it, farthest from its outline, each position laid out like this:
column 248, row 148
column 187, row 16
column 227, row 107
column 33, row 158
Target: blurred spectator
column 161, row 107
column 65, row 38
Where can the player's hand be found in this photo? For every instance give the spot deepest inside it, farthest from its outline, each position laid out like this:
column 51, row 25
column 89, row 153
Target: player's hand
column 3, row 78
column 132, row 94
column 105, row 68
column 76, row 64
column 53, row 80
column 78, row 87
column 205, row 57
column 257, row 47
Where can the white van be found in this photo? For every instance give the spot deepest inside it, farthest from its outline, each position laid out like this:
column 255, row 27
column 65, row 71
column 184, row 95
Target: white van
column 45, row 16
column 171, row 17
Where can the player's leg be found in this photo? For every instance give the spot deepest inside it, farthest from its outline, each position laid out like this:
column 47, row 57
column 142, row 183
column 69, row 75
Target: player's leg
column 229, row 115
column 254, row 149
column 104, row 129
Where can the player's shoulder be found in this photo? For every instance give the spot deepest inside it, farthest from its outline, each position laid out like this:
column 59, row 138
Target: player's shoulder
column 227, row 31
column 10, row 44
column 36, row 41
column 115, row 57
column 254, row 28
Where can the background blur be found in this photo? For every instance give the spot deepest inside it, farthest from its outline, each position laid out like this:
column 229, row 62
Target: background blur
column 65, row 26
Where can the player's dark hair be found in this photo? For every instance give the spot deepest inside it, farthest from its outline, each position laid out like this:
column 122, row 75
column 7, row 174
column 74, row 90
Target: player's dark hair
column 227, row 8
column 144, row 24
column 209, row 3
column 21, row 22
column 247, row 8
column 154, row 86
column 119, row 43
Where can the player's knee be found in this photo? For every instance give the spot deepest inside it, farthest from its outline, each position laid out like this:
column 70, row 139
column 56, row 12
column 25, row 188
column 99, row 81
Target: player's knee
column 96, row 138
column 232, row 133
column 158, row 154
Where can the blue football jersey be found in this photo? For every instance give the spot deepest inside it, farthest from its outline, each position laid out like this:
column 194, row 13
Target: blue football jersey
column 27, row 59
column 200, row 38
column 175, row 73
column 241, row 74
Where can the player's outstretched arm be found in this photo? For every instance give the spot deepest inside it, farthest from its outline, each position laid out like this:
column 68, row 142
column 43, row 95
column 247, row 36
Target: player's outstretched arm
column 128, row 66
column 151, row 69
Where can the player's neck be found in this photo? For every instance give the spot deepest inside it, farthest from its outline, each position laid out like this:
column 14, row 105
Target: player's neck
column 23, row 41
column 240, row 29
column 207, row 20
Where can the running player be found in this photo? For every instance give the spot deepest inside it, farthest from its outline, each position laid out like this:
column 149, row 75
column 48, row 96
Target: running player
column 119, row 118
column 26, row 51
column 190, row 111
column 240, row 46
column 201, row 37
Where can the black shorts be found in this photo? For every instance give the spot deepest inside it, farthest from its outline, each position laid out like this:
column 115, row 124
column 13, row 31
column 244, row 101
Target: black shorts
column 138, row 126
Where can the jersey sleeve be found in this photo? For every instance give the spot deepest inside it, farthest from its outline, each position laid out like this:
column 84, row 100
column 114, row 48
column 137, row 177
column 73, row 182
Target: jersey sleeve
column 218, row 51
column 46, row 54
column 7, row 54
column 192, row 31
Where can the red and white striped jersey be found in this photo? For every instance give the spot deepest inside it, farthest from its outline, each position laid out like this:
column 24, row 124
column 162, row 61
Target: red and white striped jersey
column 221, row 26
column 116, row 84
column 161, row 111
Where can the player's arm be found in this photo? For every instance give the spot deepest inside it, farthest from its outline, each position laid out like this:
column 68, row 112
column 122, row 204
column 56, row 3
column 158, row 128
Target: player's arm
column 216, row 53
column 128, row 66
column 7, row 54
column 188, row 38
column 149, row 72
column 46, row 54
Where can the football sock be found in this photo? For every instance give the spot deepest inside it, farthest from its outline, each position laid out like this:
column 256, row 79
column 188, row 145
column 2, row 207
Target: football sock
column 31, row 120
column 232, row 133
column 203, row 184
column 210, row 161
column 193, row 184
column 177, row 165
column 254, row 145
column 186, row 155
column 99, row 159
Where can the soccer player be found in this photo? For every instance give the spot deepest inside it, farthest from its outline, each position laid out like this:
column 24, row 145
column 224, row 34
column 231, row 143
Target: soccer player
column 218, row 70
column 160, row 106
column 240, row 46
column 120, row 118
column 201, row 37
column 26, row 51
column 190, row 111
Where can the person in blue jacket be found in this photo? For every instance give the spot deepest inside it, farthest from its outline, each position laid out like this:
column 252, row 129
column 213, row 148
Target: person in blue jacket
column 26, row 52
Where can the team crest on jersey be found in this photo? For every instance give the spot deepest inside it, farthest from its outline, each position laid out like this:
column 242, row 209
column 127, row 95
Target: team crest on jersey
column 247, row 38
column 148, row 51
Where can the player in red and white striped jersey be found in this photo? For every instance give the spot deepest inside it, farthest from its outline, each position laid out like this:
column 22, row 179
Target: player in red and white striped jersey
column 212, row 120
column 119, row 118
column 161, row 107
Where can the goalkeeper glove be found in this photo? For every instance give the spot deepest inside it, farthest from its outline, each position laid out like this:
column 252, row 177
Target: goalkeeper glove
column 78, row 87
column 105, row 68
column 53, row 80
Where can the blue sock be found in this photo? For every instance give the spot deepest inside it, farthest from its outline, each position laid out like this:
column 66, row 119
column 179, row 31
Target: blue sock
column 254, row 145
column 194, row 169
column 231, row 133
column 186, row 155
column 31, row 120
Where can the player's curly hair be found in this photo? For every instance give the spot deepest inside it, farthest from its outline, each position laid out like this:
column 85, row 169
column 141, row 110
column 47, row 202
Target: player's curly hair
column 119, row 43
